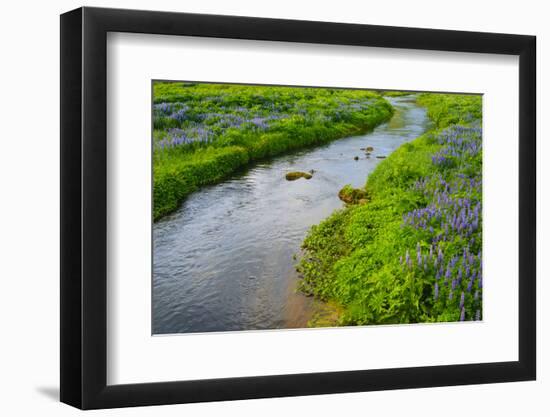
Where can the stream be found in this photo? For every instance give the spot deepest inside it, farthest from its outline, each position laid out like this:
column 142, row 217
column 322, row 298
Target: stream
column 224, row 260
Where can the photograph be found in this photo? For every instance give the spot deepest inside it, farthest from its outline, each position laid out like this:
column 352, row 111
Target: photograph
column 264, row 209
column 292, row 207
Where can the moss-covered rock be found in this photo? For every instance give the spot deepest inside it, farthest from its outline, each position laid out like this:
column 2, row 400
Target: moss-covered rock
column 350, row 195
column 292, row 176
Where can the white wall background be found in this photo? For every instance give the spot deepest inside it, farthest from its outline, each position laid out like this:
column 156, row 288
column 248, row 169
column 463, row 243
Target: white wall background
column 29, row 211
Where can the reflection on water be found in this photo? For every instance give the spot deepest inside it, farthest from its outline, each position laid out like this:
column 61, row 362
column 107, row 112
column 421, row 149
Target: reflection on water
column 224, row 260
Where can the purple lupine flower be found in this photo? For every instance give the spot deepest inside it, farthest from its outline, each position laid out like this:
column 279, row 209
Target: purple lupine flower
column 454, row 260
column 461, row 305
column 436, row 291
column 478, row 315
column 470, row 284
column 462, row 314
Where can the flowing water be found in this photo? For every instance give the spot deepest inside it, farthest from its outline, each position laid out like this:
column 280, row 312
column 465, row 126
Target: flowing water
column 225, row 259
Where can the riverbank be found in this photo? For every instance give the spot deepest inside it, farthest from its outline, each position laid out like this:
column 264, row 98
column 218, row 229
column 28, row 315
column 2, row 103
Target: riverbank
column 205, row 132
column 412, row 253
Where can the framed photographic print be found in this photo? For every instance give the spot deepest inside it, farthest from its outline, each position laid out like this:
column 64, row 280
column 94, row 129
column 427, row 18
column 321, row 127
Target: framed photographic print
column 257, row 208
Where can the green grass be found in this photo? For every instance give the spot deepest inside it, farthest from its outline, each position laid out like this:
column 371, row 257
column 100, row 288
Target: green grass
column 355, row 259
column 448, row 109
column 205, row 132
column 396, row 93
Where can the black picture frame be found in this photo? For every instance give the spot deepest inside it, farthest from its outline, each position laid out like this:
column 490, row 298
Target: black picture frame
column 84, row 207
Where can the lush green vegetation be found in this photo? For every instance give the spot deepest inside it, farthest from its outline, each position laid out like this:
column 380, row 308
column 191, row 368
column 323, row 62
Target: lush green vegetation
column 393, row 93
column 412, row 252
column 449, row 109
column 204, row 132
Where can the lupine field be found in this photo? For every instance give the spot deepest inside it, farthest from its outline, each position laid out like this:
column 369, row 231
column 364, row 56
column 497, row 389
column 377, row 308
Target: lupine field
column 413, row 253
column 202, row 132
